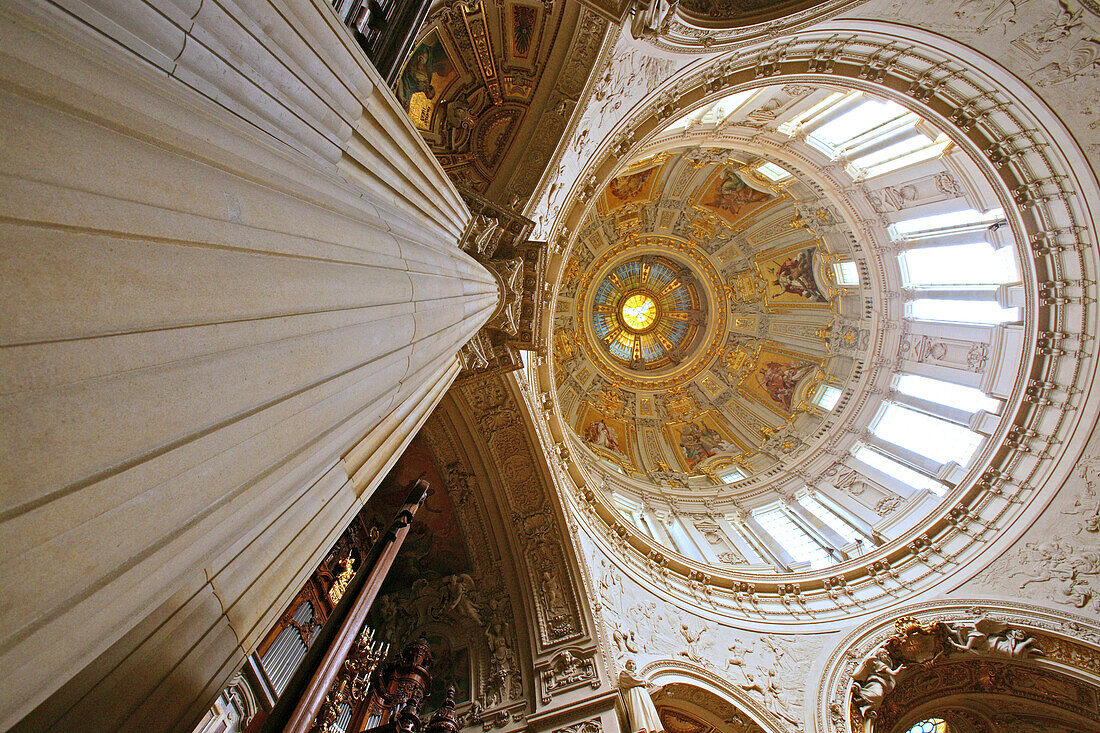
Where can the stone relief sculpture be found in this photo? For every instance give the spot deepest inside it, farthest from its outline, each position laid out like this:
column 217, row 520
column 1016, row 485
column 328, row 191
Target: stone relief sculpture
column 766, row 685
column 770, row 667
column 457, row 596
column 993, row 636
column 650, row 17
column 878, row 675
column 1065, row 568
column 916, row 645
column 640, row 710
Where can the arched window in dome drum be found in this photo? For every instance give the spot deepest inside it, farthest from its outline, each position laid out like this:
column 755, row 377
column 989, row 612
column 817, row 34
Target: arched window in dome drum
column 880, row 462
column 953, row 222
column 792, row 537
column 826, row 397
column 846, row 273
column 832, row 517
column 951, row 310
column 968, row 399
column 931, row 725
column 928, row 436
column 976, row 263
column 682, row 542
column 855, row 125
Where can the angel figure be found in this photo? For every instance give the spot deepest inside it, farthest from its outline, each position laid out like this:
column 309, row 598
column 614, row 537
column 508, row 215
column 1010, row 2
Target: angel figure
column 458, row 596
column 640, row 710
column 873, row 679
column 1014, row 643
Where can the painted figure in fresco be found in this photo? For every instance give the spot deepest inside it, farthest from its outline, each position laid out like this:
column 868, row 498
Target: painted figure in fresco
column 733, row 194
column 796, row 276
column 429, row 58
column 779, row 380
column 598, row 433
column 700, row 443
column 628, row 186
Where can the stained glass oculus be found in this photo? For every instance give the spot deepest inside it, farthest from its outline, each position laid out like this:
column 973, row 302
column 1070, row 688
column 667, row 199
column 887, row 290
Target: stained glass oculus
column 646, row 312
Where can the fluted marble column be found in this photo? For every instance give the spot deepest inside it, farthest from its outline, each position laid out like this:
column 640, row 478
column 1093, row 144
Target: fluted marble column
column 230, row 284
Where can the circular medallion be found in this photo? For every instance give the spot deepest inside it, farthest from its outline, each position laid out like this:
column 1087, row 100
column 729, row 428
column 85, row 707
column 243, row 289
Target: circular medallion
column 646, row 312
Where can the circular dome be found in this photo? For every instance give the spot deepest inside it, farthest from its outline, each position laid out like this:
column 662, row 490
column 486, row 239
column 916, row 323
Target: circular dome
column 857, row 300
column 712, row 249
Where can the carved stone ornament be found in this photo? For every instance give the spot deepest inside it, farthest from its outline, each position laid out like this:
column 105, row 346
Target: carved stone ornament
column 495, row 411
column 498, row 238
column 915, row 646
column 567, row 671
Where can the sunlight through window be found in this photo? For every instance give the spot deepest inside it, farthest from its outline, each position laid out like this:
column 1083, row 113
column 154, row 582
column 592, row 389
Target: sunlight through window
column 946, row 393
column 929, row 436
column 962, row 311
column 827, row 397
column 959, row 264
column 846, row 273
column 897, row 470
column 829, row 518
column 965, row 219
column 792, row 538
column 858, row 121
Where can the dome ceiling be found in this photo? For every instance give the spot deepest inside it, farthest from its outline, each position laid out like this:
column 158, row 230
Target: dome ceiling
column 694, row 318
column 788, row 330
column 484, row 76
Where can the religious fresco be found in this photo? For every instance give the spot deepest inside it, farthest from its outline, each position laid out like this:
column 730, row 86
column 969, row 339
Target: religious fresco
column 775, row 378
column 790, row 278
column 424, row 80
column 630, row 188
column 434, row 547
column 603, row 431
column 727, row 195
column 699, row 439
column 524, row 21
column 696, row 404
column 471, row 83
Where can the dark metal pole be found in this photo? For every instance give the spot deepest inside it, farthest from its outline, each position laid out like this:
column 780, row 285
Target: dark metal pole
column 397, row 42
column 297, row 708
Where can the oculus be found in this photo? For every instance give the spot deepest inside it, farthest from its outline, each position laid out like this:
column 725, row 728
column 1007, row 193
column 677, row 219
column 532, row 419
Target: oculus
column 639, row 312
column 646, row 312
